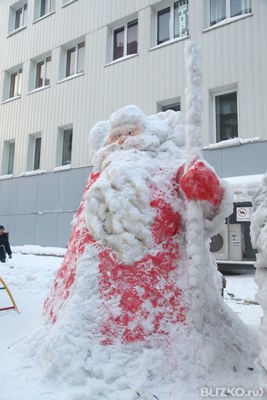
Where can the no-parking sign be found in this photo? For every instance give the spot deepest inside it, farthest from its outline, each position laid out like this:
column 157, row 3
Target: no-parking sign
column 243, row 214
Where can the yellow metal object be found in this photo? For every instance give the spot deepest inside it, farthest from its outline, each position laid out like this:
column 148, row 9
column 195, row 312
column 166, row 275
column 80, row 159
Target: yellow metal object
column 10, row 295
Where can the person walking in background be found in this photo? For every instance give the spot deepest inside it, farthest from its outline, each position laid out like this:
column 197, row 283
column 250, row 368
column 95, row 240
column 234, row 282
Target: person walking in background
column 4, row 245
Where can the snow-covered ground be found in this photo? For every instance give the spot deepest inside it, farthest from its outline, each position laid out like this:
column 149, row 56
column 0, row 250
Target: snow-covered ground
column 30, row 277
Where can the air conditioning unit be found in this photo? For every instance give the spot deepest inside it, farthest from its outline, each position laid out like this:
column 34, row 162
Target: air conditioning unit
column 219, row 244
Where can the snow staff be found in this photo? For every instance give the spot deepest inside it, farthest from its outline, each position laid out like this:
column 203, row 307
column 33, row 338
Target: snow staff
column 4, row 245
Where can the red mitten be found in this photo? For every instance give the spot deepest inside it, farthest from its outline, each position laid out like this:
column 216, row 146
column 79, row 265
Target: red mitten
column 201, row 183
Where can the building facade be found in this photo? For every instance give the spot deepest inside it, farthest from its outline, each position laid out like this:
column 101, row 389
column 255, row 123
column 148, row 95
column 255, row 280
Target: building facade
column 66, row 64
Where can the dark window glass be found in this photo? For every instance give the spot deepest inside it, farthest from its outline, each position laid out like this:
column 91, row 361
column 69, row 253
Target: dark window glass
column 118, row 48
column 132, row 37
column 174, row 107
column 70, row 68
column 11, row 154
column 81, row 53
column 67, row 147
column 217, row 11
column 226, row 116
column 18, row 18
column 43, row 7
column 163, row 25
column 239, row 7
column 40, row 74
column 13, row 80
column 37, row 153
column 181, row 18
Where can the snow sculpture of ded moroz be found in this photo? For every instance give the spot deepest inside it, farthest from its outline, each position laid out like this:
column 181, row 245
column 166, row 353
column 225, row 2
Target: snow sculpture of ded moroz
column 136, row 305
column 259, row 241
column 135, row 227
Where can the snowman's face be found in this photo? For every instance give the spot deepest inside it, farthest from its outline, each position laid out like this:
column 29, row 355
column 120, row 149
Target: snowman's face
column 120, row 134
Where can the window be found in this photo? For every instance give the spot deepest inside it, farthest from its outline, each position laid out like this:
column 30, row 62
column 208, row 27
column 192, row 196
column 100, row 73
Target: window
column 125, row 40
column 8, row 158
column 15, row 84
column 225, row 9
column 43, row 73
column 174, row 107
column 226, row 116
column 172, row 22
column 37, row 153
column 43, row 8
column 18, row 16
column 34, row 152
column 67, row 147
column 75, row 60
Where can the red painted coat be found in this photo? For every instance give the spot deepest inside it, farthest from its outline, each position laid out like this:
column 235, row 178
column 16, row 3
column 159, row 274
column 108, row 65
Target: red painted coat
column 147, row 292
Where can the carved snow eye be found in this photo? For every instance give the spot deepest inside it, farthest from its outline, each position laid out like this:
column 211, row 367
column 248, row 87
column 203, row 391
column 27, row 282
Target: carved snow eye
column 130, row 133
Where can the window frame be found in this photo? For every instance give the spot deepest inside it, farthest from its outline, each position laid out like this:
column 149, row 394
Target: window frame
column 18, row 75
column 34, row 152
column 49, row 8
column 220, row 92
column 171, row 6
column 5, row 167
column 228, row 17
column 64, row 132
column 13, row 17
column 76, row 55
column 124, row 27
column 45, row 61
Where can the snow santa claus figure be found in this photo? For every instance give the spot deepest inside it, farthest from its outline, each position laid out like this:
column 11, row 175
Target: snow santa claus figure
column 133, row 248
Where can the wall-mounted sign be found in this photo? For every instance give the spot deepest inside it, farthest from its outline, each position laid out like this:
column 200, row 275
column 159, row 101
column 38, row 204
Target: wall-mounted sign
column 243, row 214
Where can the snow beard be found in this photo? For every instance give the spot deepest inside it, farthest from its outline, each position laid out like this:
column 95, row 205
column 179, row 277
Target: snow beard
column 117, row 206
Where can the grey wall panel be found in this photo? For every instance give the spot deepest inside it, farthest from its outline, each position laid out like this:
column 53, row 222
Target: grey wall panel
column 27, row 195
column 246, row 159
column 46, row 230
column 214, row 158
column 64, row 229
column 25, row 230
column 9, row 197
column 48, row 192
column 71, row 189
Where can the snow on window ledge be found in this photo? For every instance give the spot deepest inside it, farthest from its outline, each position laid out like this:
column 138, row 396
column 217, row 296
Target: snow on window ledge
column 69, row 78
column 62, row 168
column 121, row 59
column 3, row 177
column 169, row 42
column 232, row 142
column 32, row 173
column 11, row 99
column 227, row 21
column 44, row 17
column 68, row 3
column 40, row 89
column 16, row 31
